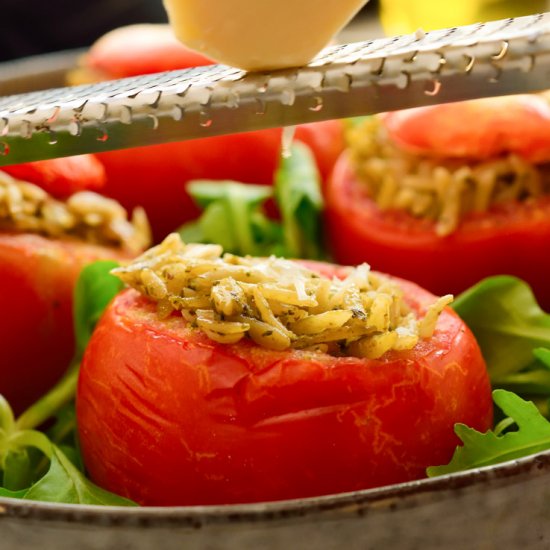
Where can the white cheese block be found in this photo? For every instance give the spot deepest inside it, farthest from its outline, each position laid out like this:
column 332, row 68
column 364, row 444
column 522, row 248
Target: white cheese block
column 259, row 34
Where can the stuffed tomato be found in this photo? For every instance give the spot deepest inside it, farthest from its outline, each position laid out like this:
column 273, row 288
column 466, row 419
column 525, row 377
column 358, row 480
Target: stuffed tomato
column 229, row 380
column 155, row 177
column 44, row 243
column 449, row 194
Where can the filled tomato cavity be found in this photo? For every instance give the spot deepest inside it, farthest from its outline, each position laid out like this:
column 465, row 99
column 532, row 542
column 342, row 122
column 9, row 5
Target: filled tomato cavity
column 277, row 303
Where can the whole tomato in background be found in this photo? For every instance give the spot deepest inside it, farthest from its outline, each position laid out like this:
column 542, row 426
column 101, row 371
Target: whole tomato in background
column 169, row 417
column 135, row 50
column 155, row 177
column 37, row 277
column 63, row 176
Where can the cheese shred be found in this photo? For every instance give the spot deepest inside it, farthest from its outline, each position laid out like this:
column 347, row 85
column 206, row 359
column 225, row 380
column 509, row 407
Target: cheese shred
column 277, row 303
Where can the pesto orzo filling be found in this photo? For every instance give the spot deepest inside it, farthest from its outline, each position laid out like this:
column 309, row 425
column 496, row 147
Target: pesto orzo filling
column 442, row 190
column 277, row 303
column 85, row 215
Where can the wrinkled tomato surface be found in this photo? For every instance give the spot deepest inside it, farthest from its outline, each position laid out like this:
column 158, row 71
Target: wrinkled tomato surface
column 511, row 238
column 169, row 417
column 37, row 276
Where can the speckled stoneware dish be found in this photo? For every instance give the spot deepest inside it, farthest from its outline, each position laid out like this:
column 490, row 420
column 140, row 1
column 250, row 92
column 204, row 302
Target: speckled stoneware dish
column 502, row 507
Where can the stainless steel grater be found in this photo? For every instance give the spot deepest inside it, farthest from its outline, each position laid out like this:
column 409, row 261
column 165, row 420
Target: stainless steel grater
column 497, row 58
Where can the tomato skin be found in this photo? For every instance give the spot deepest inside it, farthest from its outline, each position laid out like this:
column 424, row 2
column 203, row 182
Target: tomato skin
column 140, row 49
column 509, row 239
column 168, row 417
column 62, row 177
column 478, row 129
column 155, row 177
column 37, row 276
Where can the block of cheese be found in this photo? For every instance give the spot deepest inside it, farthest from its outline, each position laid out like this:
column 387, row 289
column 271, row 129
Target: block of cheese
column 259, row 34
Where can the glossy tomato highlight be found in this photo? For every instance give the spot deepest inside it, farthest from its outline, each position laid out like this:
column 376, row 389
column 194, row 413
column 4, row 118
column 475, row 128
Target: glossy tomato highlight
column 169, row 417
column 510, row 238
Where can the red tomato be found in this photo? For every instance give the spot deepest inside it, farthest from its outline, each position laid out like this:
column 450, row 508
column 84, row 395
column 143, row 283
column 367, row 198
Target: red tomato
column 140, row 49
column 155, row 177
column 63, row 176
column 37, row 276
column 510, row 239
column 169, row 417
column 478, row 129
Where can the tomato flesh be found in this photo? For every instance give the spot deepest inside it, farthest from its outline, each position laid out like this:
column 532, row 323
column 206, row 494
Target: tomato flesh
column 509, row 239
column 37, row 276
column 169, row 417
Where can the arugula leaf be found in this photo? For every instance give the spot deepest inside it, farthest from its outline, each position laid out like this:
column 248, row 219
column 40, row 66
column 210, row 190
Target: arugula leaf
column 485, row 449
column 95, row 288
column 508, row 324
column 298, row 195
column 64, row 483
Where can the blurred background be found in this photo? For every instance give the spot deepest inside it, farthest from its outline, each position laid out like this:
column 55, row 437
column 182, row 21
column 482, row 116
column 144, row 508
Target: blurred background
column 37, row 27
column 34, row 27
column 40, row 42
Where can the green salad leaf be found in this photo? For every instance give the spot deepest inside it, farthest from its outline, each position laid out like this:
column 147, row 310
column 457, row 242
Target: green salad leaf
column 510, row 327
column 234, row 217
column 26, row 452
column 65, row 483
column 12, row 494
column 94, row 289
column 17, row 470
column 543, row 355
column 229, row 211
column 298, row 196
column 485, row 449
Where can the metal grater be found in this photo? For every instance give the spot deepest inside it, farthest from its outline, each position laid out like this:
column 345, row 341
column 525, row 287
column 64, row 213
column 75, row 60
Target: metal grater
column 497, row 58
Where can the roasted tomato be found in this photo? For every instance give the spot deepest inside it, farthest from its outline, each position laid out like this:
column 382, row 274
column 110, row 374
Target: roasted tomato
column 155, row 177
column 135, row 50
column 63, row 176
column 169, row 417
column 481, row 129
column 448, row 194
column 511, row 238
column 38, row 273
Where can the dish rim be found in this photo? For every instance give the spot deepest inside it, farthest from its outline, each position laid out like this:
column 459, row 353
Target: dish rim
column 382, row 499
